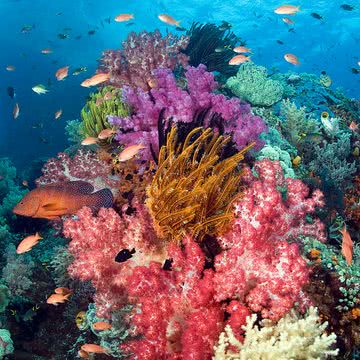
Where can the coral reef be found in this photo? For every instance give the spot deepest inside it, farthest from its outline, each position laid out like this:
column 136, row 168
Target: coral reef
column 252, row 84
column 60, row 261
column 141, row 54
column 348, row 288
column 107, row 101
column 85, row 165
column 4, row 297
column 6, row 344
column 227, row 226
column 17, row 273
column 352, row 202
column 95, row 243
column 298, row 129
column 275, row 153
column 212, row 46
column 187, row 321
column 73, row 131
column 172, row 102
column 330, row 162
column 192, row 191
column 258, row 265
column 293, row 337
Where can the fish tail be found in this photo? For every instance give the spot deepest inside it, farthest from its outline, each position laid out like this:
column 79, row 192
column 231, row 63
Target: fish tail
column 38, row 236
column 103, row 198
column 177, row 23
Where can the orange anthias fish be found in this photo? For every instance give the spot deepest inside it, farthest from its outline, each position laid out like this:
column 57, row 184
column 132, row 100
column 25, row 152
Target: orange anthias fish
column 347, row 246
column 16, row 111
column 353, row 126
column 129, row 152
column 102, row 325
column 96, row 79
column 241, row 49
column 239, row 59
column 108, row 96
column 89, row 141
column 55, row 299
column 64, row 198
column 292, row 59
column 287, row 10
column 62, row 73
column 167, row 19
column 152, row 83
column 106, row 133
column 93, row 348
column 62, row 291
column 58, row 114
column 10, row 68
column 124, row 17
column 28, row 243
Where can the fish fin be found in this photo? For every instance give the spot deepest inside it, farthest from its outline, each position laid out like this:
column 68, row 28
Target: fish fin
column 53, row 207
column 102, row 198
column 53, row 217
column 80, row 186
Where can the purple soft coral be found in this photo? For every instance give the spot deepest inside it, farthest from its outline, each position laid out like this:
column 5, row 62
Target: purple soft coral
column 181, row 106
column 141, row 54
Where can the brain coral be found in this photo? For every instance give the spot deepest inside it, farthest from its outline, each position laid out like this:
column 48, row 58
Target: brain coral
column 252, row 84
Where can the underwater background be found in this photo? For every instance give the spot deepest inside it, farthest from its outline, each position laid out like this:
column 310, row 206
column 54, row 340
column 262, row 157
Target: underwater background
column 179, row 180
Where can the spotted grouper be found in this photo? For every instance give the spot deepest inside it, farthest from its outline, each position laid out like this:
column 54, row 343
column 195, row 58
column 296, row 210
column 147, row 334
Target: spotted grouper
column 65, row 198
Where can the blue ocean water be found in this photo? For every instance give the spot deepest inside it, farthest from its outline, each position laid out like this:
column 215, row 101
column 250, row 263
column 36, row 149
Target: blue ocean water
column 330, row 44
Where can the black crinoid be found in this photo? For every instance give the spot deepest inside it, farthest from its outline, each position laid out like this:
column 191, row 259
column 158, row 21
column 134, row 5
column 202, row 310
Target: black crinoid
column 212, row 46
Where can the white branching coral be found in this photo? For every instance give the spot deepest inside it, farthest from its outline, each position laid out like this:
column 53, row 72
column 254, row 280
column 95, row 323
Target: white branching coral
column 292, row 338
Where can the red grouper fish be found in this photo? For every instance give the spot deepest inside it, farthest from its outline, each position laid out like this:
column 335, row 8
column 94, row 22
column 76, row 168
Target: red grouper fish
column 64, row 198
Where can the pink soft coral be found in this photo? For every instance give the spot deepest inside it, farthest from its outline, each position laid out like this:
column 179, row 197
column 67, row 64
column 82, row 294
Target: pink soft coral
column 96, row 240
column 84, row 165
column 259, row 266
column 174, row 311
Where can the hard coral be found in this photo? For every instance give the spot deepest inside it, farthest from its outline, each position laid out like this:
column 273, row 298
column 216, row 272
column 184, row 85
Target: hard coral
column 172, row 102
column 141, row 54
column 252, row 84
column 192, row 191
column 258, row 265
column 85, row 165
column 293, row 337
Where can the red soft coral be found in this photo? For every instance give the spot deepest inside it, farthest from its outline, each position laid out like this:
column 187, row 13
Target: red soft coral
column 175, row 310
column 259, row 266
